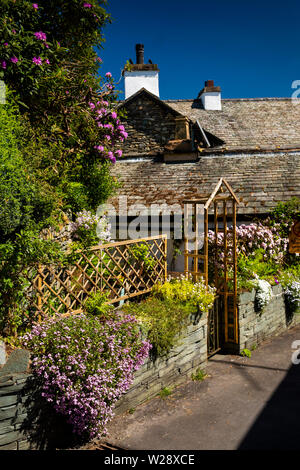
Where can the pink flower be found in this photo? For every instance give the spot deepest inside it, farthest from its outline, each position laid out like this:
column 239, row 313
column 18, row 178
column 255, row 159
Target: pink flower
column 14, row 60
column 37, row 60
column 114, row 115
column 87, row 5
column 3, row 64
column 35, row 6
column 41, row 36
column 47, row 61
column 108, row 75
column 111, row 157
column 118, row 153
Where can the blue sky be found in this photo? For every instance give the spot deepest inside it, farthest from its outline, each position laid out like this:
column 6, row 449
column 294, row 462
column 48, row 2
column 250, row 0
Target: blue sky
column 249, row 48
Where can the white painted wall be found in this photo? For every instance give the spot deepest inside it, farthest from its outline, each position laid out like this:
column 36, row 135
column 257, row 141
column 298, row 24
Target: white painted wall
column 211, row 100
column 136, row 80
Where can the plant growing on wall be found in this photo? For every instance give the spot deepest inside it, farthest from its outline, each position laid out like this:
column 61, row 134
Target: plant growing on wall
column 85, row 364
column 263, row 293
column 167, row 311
column 292, row 293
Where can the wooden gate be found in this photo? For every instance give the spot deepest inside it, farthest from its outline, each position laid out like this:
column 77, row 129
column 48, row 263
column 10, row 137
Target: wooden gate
column 223, row 325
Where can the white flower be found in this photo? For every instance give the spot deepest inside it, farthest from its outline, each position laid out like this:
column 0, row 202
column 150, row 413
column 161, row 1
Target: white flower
column 263, row 293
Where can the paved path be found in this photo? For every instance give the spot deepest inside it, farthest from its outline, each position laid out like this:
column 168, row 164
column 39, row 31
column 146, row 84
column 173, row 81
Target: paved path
column 244, row 403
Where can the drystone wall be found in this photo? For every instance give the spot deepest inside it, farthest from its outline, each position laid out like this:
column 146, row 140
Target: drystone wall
column 257, row 326
column 184, row 359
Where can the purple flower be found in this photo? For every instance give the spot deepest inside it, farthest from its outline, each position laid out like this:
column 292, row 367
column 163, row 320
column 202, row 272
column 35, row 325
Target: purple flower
column 6, row 44
column 14, row 59
column 37, row 60
column 100, row 148
column 119, row 153
column 35, row 6
column 87, row 5
column 41, row 36
column 3, row 64
column 47, row 61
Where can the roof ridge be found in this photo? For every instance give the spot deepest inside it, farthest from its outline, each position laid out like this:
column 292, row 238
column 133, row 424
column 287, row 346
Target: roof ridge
column 275, row 98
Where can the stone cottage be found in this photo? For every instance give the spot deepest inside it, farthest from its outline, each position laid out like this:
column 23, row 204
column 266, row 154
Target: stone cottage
column 179, row 149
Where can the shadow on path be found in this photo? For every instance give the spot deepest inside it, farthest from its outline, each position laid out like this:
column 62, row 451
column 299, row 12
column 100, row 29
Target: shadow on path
column 277, row 426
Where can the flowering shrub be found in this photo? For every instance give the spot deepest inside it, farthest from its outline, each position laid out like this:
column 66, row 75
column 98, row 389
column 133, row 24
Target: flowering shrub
column 292, row 293
column 263, row 293
column 90, row 228
column 284, row 215
column 186, row 291
column 53, row 69
column 85, row 365
column 253, row 237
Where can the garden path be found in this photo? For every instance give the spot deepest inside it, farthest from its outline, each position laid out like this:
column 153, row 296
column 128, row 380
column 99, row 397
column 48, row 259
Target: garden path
column 244, row 403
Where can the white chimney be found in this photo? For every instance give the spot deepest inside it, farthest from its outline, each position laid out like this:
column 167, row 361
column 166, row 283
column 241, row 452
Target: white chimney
column 141, row 75
column 210, row 96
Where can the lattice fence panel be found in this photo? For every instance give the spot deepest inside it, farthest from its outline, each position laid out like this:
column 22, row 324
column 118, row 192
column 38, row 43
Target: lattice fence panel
column 122, row 269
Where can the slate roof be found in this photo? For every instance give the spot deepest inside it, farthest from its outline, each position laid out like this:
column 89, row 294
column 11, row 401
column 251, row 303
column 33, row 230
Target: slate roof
column 260, row 180
column 260, row 157
column 248, row 124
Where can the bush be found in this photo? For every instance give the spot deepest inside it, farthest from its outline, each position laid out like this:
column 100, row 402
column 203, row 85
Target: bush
column 167, row 311
column 284, row 215
column 85, row 364
column 184, row 290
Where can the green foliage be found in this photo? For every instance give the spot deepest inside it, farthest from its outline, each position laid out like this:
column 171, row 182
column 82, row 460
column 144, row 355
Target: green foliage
column 26, row 208
column 141, row 252
column 96, row 304
column 246, row 353
column 165, row 392
column 54, row 95
column 250, row 267
column 199, row 375
column 50, row 130
column 284, row 215
column 168, row 310
column 184, row 290
column 161, row 321
column 290, row 274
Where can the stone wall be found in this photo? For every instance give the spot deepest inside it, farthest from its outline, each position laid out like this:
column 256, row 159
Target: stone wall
column 255, row 327
column 184, row 359
column 149, row 126
column 13, row 382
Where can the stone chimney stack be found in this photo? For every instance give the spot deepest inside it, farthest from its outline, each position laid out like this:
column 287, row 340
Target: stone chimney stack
column 210, row 96
column 140, row 75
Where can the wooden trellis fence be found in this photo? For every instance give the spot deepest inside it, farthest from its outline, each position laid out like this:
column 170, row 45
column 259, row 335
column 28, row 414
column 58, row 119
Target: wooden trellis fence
column 121, row 269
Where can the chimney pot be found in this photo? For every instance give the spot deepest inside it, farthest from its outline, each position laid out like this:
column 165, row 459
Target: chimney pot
column 209, row 83
column 139, row 53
